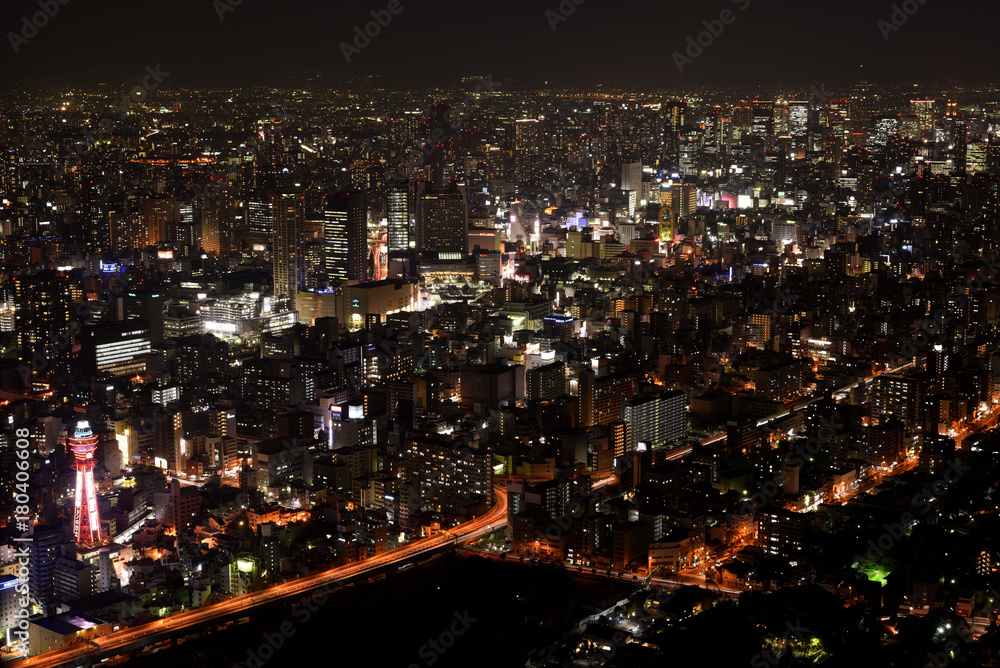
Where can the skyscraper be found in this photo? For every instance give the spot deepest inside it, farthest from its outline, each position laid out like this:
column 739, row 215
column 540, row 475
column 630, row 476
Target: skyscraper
column 632, row 182
column 763, row 118
column 287, row 216
column 398, row 213
column 41, row 322
column 218, row 220
column 798, row 118
column 86, row 517
column 346, row 216
column 441, row 225
column 924, row 111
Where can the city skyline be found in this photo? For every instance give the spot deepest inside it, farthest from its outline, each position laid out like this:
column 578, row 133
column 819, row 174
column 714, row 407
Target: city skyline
column 550, row 334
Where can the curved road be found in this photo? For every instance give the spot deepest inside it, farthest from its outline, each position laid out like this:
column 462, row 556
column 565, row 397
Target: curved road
column 495, row 519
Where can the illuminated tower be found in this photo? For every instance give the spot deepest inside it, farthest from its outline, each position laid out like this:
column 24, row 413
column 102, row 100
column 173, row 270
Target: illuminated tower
column 86, row 519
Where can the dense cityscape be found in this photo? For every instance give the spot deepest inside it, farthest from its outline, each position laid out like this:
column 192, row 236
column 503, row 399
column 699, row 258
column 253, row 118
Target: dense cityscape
column 499, row 374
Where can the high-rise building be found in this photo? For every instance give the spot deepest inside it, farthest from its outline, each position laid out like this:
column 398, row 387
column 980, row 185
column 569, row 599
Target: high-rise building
column 524, row 141
column 682, row 198
column 546, row 382
column 601, row 397
column 219, row 215
column 763, row 118
column 259, row 225
column 398, row 214
column 632, row 183
column 345, row 232
column 449, row 480
column 883, row 444
column 46, row 547
column 287, row 217
column 656, row 420
column 117, row 348
column 441, row 223
column 86, row 517
column 896, row 395
column 42, row 323
column 924, row 111
column 798, row 118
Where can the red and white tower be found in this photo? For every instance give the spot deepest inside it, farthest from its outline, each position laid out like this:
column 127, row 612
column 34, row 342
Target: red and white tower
column 86, row 519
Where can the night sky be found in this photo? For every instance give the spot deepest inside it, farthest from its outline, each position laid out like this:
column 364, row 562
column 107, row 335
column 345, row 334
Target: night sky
column 440, row 41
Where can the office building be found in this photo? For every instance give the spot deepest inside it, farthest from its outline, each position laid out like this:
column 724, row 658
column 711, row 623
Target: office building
column 441, row 223
column 399, row 217
column 345, row 237
column 117, row 348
